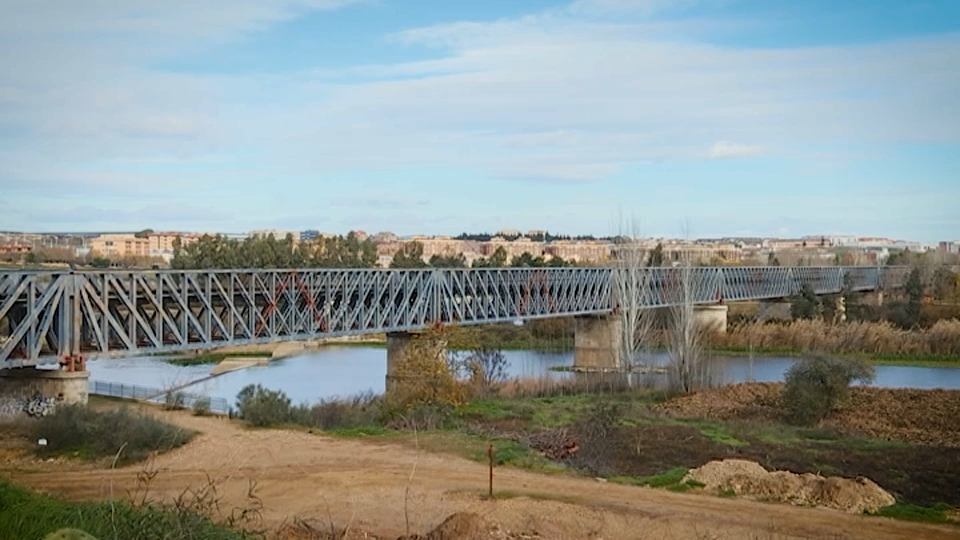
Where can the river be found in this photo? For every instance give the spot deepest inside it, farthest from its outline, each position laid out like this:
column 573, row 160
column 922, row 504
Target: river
column 344, row 371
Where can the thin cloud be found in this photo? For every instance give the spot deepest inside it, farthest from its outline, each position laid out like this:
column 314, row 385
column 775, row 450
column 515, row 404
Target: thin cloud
column 724, row 149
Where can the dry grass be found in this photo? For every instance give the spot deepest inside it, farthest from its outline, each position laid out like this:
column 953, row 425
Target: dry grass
column 942, row 339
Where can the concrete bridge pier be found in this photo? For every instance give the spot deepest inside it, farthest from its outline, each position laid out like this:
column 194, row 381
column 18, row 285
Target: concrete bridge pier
column 712, row 319
column 397, row 343
column 597, row 342
column 774, row 310
column 31, row 391
column 872, row 298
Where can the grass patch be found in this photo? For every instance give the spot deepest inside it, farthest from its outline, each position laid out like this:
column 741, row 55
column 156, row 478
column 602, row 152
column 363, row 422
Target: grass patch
column 93, row 434
column 727, row 493
column 365, row 431
column 911, row 512
column 915, row 360
column 668, row 478
column 31, row 515
column 213, row 358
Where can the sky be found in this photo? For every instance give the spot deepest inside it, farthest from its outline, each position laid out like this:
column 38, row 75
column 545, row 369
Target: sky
column 702, row 118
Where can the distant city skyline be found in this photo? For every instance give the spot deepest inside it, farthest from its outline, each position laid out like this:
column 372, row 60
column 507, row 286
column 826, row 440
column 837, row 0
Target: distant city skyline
column 731, row 118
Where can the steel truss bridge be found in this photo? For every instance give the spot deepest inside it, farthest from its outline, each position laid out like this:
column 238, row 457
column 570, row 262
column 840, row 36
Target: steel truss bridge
column 49, row 317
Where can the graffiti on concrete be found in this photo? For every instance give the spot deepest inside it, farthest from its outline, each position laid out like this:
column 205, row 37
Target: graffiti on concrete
column 36, row 406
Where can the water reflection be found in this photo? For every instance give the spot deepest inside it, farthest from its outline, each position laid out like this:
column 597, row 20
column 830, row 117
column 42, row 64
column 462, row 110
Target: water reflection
column 345, row 371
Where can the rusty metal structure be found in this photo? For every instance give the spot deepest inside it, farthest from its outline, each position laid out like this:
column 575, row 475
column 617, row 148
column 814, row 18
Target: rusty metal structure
column 49, row 317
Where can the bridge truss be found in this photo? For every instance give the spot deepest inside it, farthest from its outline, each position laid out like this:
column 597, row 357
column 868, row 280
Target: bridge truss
column 47, row 317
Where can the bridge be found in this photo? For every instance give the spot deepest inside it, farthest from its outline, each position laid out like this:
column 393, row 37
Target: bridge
column 49, row 317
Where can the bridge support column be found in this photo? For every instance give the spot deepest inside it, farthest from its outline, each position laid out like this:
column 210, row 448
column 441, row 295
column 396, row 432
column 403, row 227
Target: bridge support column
column 774, row 310
column 398, row 346
column 711, row 319
column 597, row 342
column 872, row 298
column 36, row 391
column 397, row 343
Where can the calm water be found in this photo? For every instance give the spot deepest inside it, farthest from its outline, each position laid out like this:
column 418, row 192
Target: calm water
column 345, row 371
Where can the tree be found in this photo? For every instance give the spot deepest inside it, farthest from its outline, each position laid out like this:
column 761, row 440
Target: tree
column 497, row 259
column 410, row 255
column 690, row 365
column 943, row 284
column 423, row 376
column 914, row 290
column 805, row 304
column 452, row 261
column 816, row 385
column 527, row 260
column 32, row 258
column 656, row 256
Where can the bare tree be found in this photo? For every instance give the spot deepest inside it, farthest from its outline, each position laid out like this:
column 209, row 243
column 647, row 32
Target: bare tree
column 632, row 291
column 690, row 366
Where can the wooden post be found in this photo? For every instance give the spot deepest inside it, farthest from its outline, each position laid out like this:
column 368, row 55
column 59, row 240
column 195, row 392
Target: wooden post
column 490, row 455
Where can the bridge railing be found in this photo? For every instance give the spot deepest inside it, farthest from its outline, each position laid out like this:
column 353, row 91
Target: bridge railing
column 45, row 316
column 155, row 395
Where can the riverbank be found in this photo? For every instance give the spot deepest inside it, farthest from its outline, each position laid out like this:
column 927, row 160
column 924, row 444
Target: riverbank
column 396, row 487
column 902, row 439
column 880, row 359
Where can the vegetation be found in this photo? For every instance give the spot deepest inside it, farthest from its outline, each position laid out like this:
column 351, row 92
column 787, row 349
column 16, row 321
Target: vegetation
column 119, row 433
column 213, row 358
column 28, row 515
column 269, row 252
column 936, row 513
column 817, row 385
column 942, row 339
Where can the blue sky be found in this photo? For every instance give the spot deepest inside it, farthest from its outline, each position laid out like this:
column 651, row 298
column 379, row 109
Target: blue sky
column 733, row 117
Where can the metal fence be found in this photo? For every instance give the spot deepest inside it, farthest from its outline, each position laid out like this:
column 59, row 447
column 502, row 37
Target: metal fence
column 155, row 395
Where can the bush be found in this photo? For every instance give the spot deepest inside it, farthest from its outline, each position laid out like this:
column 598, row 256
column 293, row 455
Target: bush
column 31, row 515
column 97, row 434
column 364, row 410
column 201, row 407
column 816, row 385
column 262, row 407
column 174, row 401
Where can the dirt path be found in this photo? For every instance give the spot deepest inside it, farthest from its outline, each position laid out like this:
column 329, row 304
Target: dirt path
column 364, row 484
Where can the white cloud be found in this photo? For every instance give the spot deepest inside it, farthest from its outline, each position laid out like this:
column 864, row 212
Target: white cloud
column 724, row 149
column 559, row 95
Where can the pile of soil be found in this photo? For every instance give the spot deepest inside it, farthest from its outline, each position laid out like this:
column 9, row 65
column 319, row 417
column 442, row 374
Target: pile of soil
column 458, row 526
column 907, row 415
column 748, row 479
column 916, row 416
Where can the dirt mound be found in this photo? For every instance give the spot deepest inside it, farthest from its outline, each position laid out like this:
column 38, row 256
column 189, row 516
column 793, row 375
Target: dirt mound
column 463, row 526
column 916, row 416
column 752, row 401
column 895, row 414
column 749, row 479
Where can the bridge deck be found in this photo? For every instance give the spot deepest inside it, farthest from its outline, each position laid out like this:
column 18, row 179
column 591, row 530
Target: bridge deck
column 46, row 316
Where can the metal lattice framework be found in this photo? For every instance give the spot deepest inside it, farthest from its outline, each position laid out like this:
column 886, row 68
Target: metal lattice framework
column 48, row 316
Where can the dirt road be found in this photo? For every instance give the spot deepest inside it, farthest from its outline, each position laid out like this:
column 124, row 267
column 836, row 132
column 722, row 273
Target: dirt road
column 364, row 484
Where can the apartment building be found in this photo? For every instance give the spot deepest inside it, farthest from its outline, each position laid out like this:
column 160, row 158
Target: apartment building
column 158, row 245
column 120, row 245
column 583, row 252
column 276, row 233
column 514, row 248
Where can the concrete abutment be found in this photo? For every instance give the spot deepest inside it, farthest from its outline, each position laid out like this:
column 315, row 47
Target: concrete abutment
column 23, row 388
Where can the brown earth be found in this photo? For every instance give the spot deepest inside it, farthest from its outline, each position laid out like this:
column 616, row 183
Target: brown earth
column 381, row 487
column 747, row 478
column 914, row 416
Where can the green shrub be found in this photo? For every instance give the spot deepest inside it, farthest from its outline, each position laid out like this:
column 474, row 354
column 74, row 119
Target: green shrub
column 364, row 410
column 97, row 434
column 27, row 515
column 816, row 385
column 262, row 407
